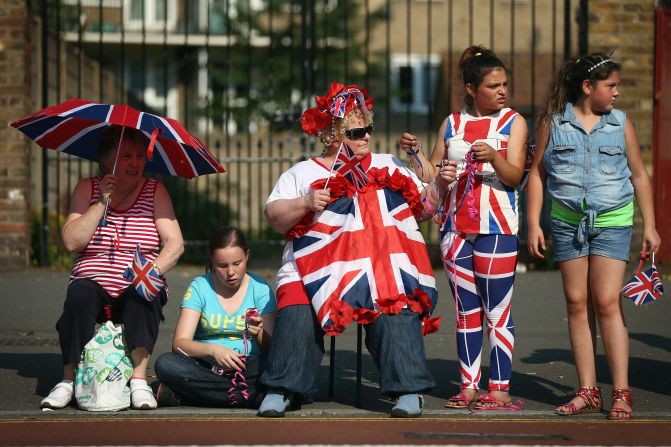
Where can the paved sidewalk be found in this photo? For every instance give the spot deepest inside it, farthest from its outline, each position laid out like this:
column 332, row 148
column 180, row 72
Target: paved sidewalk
column 543, row 373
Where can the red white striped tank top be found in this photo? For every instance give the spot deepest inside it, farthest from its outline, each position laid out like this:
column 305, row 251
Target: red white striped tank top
column 104, row 261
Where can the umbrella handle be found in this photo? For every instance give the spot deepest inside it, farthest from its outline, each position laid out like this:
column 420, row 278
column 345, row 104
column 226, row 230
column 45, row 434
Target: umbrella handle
column 104, row 222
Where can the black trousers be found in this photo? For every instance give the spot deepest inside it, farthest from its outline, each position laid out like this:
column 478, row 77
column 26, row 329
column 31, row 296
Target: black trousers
column 84, row 305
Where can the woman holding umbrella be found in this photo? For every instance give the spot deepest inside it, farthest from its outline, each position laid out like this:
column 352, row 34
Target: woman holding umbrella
column 136, row 211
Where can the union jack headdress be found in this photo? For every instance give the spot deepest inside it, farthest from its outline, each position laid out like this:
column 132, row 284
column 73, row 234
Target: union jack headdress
column 337, row 103
column 645, row 285
column 144, row 277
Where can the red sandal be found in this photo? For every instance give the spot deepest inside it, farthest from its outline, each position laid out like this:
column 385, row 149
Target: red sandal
column 592, row 398
column 461, row 400
column 621, row 414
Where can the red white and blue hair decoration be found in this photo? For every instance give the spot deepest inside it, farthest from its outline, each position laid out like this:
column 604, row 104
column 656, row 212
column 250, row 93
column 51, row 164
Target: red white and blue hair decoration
column 337, row 103
column 646, row 285
column 144, row 277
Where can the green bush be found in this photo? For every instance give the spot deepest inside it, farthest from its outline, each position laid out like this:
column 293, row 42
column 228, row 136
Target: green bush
column 57, row 255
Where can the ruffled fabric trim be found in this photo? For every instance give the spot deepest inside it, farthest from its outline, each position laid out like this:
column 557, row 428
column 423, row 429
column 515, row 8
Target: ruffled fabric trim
column 378, row 178
column 342, row 314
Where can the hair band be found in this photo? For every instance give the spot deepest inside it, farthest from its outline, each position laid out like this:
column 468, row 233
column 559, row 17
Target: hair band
column 598, row 64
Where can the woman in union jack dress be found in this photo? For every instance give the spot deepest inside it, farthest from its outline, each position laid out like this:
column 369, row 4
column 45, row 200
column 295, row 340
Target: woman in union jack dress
column 354, row 253
column 486, row 143
column 141, row 230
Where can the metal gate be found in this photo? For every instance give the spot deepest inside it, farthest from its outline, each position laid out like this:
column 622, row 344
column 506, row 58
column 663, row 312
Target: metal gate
column 238, row 73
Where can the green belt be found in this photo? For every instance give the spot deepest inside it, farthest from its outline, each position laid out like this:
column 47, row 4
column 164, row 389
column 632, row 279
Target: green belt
column 620, row 217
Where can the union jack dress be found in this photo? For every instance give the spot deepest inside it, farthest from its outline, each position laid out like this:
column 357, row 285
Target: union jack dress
column 362, row 255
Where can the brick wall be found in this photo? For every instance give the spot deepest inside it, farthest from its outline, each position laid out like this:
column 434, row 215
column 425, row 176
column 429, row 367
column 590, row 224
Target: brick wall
column 628, row 28
column 14, row 149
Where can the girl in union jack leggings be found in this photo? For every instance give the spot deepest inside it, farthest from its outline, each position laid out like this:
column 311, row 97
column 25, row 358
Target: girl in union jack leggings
column 485, row 143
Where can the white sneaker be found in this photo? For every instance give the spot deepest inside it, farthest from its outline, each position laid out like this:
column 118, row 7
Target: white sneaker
column 141, row 395
column 59, row 396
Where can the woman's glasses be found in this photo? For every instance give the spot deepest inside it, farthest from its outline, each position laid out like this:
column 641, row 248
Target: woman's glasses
column 358, row 133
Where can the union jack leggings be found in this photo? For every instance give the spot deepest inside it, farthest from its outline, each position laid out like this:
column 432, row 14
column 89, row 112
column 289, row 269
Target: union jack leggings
column 484, row 266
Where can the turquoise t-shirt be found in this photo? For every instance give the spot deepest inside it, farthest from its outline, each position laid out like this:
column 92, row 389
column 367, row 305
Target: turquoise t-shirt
column 217, row 326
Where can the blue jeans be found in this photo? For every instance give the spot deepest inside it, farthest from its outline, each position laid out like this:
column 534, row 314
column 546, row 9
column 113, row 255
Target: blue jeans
column 394, row 342
column 195, row 383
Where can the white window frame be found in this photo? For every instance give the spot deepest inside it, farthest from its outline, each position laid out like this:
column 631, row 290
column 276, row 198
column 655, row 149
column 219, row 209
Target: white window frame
column 417, row 62
column 151, row 23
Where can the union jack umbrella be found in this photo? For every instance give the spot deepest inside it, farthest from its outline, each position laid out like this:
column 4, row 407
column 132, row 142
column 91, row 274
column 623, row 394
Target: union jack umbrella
column 645, row 285
column 144, row 277
column 75, row 126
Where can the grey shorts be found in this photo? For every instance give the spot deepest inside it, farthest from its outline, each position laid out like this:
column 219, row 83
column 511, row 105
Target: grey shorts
column 610, row 242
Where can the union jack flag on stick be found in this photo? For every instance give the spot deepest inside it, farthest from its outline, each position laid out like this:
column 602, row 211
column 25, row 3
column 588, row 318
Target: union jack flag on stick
column 645, row 285
column 144, row 277
column 349, row 166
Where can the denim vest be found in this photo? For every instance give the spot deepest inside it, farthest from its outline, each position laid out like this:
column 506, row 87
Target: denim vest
column 589, row 169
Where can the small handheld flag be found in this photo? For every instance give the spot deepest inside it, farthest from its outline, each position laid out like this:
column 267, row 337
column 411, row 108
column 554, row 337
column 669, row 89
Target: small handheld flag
column 144, row 277
column 646, row 285
column 349, row 166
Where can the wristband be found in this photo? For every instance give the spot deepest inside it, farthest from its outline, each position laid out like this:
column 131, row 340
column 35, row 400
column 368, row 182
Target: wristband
column 158, row 270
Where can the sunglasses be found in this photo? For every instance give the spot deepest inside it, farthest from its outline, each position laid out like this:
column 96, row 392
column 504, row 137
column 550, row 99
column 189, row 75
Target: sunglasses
column 358, row 132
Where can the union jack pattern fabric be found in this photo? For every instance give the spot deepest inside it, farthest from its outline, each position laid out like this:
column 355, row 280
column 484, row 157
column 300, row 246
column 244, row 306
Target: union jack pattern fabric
column 350, row 167
column 645, row 286
column 144, row 277
column 338, row 105
column 481, row 272
column 74, row 127
column 495, row 202
column 362, row 249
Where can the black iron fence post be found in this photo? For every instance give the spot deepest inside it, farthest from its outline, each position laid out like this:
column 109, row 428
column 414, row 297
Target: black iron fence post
column 583, row 27
column 44, row 230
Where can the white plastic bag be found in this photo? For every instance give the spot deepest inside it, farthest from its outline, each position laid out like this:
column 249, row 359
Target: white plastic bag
column 103, row 372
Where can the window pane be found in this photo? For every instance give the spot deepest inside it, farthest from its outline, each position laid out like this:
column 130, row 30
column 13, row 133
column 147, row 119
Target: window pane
column 161, row 6
column 136, row 9
column 405, row 84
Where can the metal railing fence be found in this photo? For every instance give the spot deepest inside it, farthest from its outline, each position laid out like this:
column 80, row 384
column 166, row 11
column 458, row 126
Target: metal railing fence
column 238, row 73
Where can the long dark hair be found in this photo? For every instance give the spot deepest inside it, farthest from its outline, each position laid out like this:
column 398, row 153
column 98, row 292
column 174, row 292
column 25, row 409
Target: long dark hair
column 566, row 86
column 475, row 63
column 226, row 237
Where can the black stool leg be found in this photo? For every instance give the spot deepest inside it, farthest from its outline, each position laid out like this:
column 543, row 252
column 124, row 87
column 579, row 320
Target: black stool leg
column 332, row 368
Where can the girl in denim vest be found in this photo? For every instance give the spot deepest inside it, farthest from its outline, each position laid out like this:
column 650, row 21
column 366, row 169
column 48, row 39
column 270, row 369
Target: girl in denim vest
column 588, row 158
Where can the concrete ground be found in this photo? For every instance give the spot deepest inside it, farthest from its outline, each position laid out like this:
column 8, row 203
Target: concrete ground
column 543, row 373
